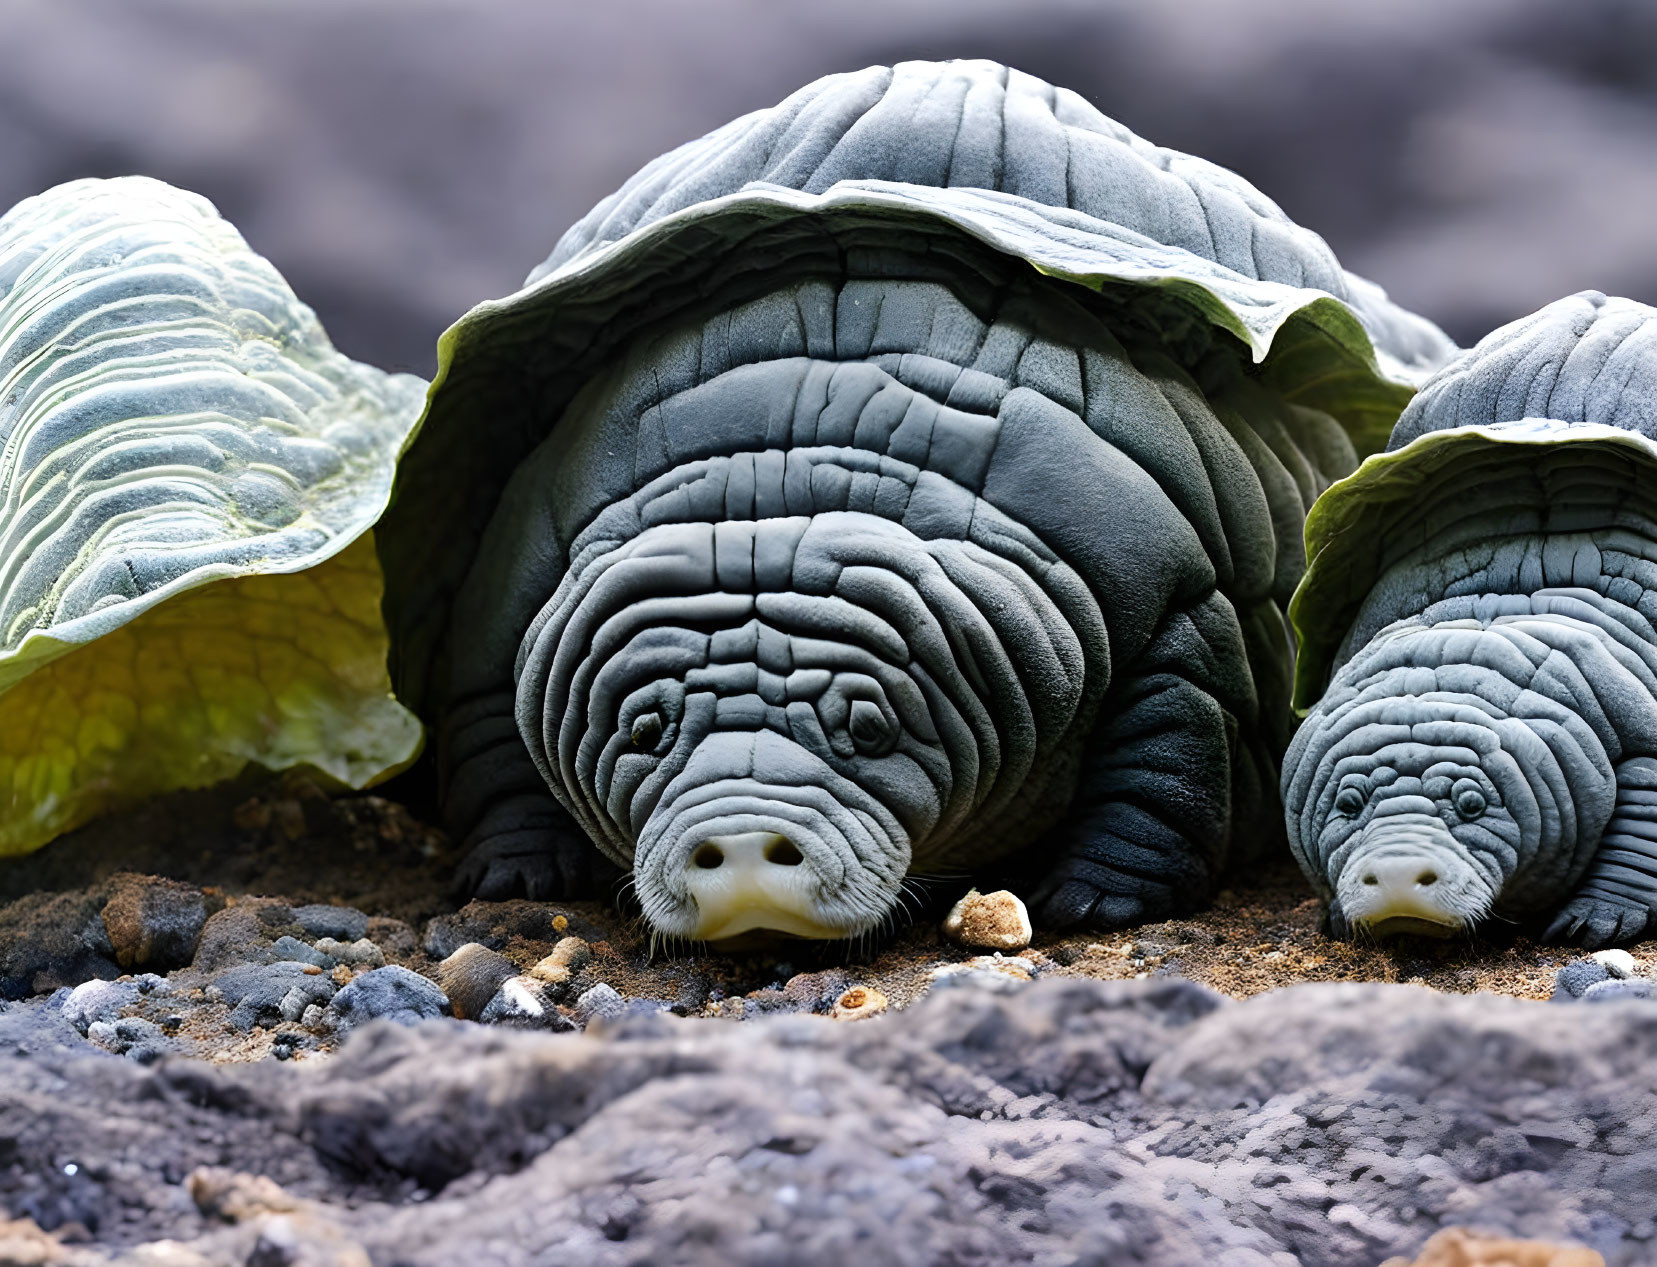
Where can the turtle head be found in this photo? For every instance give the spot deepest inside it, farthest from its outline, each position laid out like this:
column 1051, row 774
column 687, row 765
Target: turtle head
column 1417, row 805
column 760, row 830
column 772, row 722
column 1417, row 840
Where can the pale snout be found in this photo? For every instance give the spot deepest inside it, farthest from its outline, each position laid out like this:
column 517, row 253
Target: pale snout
column 1411, row 877
column 753, row 880
column 759, row 834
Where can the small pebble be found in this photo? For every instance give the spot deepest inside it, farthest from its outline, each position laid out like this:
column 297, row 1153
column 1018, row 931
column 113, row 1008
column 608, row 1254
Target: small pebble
column 999, row 973
column 1616, row 988
column 568, row 957
column 296, row 951
column 1575, row 977
column 521, row 1002
column 994, row 982
column 361, row 953
column 1015, row 966
column 471, row 976
column 989, row 921
column 859, row 1003
column 294, row 1004
column 98, row 1001
column 258, row 993
column 1619, row 963
column 132, row 1037
column 394, row 993
column 343, row 923
column 599, row 1003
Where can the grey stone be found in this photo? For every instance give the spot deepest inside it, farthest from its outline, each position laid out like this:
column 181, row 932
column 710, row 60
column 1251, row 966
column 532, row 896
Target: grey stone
column 259, row 994
column 131, row 1036
column 361, row 953
column 1576, row 976
column 1619, row 988
column 98, row 1001
column 600, row 1002
column 522, row 1003
column 240, row 934
column 1077, row 1121
column 343, row 923
column 38, row 1027
column 391, row 993
column 296, row 951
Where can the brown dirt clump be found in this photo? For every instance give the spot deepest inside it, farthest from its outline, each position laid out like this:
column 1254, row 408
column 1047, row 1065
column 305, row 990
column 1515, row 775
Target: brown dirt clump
column 1457, row 1247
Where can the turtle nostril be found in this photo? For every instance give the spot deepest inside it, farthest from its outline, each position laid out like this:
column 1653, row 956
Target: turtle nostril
column 708, row 857
column 1372, row 878
column 783, row 853
column 1426, row 878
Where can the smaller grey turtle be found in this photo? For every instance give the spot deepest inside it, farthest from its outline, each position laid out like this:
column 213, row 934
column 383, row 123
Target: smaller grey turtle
column 1479, row 617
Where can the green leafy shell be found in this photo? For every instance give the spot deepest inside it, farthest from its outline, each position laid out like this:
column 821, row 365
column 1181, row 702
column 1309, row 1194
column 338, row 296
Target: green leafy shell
column 1441, row 487
column 188, row 475
column 507, row 368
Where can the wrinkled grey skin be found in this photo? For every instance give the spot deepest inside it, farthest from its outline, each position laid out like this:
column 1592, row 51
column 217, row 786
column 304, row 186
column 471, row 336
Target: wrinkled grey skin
column 1487, row 746
column 837, row 608
column 900, row 567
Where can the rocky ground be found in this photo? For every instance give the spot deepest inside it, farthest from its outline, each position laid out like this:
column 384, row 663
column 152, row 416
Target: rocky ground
column 268, row 926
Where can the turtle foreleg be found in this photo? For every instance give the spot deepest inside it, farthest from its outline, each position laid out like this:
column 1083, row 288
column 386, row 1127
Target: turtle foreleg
column 518, row 840
column 1151, row 819
column 1617, row 900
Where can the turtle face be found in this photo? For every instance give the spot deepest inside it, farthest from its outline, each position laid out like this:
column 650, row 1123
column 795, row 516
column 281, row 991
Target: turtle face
column 1428, row 812
column 767, row 826
column 1416, row 840
column 771, row 721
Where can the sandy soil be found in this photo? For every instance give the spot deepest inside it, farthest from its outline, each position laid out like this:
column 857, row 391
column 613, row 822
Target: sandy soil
column 286, row 840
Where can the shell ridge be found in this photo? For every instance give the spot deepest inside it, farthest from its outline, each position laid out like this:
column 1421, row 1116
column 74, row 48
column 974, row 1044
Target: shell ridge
column 1360, row 354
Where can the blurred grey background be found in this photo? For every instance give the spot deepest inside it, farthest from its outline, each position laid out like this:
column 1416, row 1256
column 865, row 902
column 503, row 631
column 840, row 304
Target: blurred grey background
column 401, row 159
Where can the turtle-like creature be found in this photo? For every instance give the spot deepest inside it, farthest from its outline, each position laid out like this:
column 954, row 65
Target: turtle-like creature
column 188, row 474
column 1478, row 632
column 901, row 480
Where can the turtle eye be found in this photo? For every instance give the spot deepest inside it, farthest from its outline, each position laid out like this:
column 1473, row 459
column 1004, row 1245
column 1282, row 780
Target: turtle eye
column 1469, row 799
column 870, row 730
column 646, row 732
column 1349, row 802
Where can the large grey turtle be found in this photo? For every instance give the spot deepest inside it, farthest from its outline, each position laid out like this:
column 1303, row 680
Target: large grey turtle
column 901, row 479
column 188, row 474
column 1479, row 618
